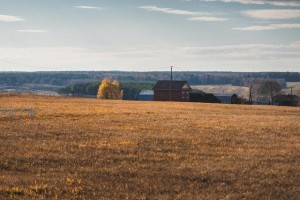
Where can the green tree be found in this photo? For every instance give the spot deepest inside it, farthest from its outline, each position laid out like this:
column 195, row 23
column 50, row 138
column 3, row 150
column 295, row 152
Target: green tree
column 91, row 88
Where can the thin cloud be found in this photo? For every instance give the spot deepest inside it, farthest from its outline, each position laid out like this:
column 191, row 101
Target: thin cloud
column 89, row 7
column 272, row 14
column 208, row 19
column 291, row 3
column 172, row 11
column 239, row 1
column 32, row 31
column 268, row 27
column 260, row 51
column 284, row 3
column 193, row 16
column 235, row 57
column 10, row 18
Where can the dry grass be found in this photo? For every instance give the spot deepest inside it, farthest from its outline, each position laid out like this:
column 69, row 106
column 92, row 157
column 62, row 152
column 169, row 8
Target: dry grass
column 92, row 149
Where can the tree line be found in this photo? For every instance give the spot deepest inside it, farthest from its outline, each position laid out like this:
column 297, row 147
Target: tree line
column 130, row 90
column 194, row 78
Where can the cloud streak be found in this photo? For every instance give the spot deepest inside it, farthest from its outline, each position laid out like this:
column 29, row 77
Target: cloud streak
column 268, row 27
column 89, row 7
column 173, row 11
column 32, row 31
column 192, row 16
column 272, row 14
column 249, row 51
column 10, row 18
column 291, row 3
column 208, row 19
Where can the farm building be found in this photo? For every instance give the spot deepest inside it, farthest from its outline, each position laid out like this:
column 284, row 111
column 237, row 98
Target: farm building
column 287, row 100
column 200, row 96
column 171, row 91
column 146, row 95
column 262, row 101
column 227, row 98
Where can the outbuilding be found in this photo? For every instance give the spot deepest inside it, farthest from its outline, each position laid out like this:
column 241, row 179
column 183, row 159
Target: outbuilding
column 146, row 95
column 167, row 90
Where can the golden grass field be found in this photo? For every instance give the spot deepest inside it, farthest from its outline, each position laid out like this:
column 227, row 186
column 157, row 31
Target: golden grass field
column 96, row 149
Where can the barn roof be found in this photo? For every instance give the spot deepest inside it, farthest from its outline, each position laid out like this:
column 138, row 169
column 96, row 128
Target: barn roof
column 147, row 92
column 176, row 85
column 200, row 96
column 285, row 96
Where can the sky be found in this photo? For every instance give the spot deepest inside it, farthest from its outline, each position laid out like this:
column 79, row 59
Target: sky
column 150, row 35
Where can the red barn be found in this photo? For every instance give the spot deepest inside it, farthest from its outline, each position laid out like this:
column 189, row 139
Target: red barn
column 172, row 91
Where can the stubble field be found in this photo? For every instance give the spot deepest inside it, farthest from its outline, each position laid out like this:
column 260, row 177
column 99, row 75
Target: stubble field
column 93, row 149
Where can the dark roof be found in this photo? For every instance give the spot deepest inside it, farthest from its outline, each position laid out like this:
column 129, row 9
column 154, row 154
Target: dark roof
column 203, row 97
column 281, row 97
column 166, row 85
column 287, row 100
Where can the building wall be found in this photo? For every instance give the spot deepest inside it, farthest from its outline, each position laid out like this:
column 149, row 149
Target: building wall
column 176, row 95
column 204, row 97
column 145, row 97
column 224, row 99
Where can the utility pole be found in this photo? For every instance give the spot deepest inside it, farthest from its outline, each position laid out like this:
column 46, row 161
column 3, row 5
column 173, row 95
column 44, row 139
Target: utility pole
column 250, row 93
column 292, row 96
column 272, row 97
column 171, row 83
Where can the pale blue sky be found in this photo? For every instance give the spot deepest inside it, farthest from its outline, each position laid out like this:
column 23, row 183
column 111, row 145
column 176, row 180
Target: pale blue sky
column 148, row 35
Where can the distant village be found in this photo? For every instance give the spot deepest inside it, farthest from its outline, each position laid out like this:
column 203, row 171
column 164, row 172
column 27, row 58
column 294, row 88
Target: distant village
column 257, row 88
column 181, row 91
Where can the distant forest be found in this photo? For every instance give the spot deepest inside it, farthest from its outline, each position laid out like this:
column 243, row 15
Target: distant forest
column 131, row 90
column 194, row 78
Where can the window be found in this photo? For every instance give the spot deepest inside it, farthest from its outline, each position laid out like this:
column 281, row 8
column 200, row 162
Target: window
column 185, row 94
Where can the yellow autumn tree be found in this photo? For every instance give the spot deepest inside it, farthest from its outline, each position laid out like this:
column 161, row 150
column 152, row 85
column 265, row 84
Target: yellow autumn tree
column 109, row 90
column 116, row 92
